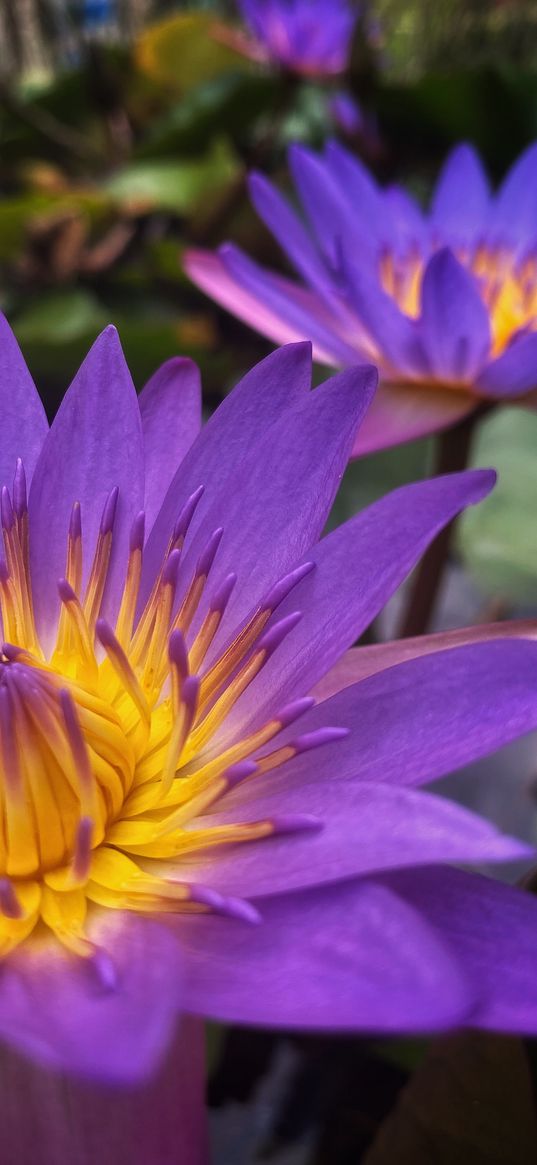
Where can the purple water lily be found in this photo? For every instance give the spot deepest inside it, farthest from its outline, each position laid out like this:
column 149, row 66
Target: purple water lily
column 186, row 827
column 443, row 301
column 310, row 37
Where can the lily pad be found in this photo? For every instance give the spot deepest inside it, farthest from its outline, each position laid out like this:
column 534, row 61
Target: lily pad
column 174, row 186
column 498, row 538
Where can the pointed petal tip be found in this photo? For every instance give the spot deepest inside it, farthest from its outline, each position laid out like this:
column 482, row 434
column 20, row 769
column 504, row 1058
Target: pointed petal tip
column 445, row 260
column 485, row 480
column 257, row 181
column 176, row 365
column 192, row 257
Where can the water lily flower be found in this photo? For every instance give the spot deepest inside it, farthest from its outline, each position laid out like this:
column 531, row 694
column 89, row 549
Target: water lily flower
column 444, row 301
column 186, row 828
column 309, row 37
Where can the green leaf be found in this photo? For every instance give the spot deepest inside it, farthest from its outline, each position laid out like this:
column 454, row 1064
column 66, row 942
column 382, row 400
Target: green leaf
column 227, row 106
column 175, row 186
column 60, row 317
column 441, row 108
column 184, row 51
column 498, row 538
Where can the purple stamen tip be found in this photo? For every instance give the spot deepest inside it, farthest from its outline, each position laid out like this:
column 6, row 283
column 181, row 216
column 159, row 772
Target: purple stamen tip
column 75, row 523
column 275, row 635
column 233, row 907
column 109, row 511
column 242, row 910
column 68, row 708
column 6, row 509
column 106, row 971
column 221, row 597
column 239, row 772
column 9, row 903
column 104, row 633
column 187, row 513
column 66, row 592
column 169, row 574
column 208, row 555
column 319, row 737
column 294, row 710
column 282, row 588
column 137, row 532
column 204, row 895
column 20, row 498
column 177, row 652
column 190, row 692
column 82, row 856
column 296, row 823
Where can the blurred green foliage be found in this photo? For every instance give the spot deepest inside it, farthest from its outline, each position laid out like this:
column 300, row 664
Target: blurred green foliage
column 498, row 539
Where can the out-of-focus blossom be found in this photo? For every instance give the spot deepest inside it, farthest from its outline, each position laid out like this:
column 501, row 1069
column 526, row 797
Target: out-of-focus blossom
column 347, row 113
column 310, row 37
column 185, row 827
column 443, row 301
column 359, row 126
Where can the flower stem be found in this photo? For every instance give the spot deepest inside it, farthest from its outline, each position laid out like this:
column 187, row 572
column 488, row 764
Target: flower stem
column 452, row 455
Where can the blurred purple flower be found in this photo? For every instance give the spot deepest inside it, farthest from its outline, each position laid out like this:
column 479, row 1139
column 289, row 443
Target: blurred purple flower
column 310, row 37
column 444, row 301
column 347, row 113
column 167, row 779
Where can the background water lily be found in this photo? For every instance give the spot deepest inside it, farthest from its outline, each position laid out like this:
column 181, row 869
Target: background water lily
column 311, row 37
column 443, row 301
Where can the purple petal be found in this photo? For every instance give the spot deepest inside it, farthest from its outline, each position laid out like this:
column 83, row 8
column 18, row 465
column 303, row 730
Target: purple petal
column 365, row 827
column 512, row 373
column 311, row 320
column 360, row 662
column 404, row 222
column 492, row 932
column 94, row 445
column 461, row 199
column 287, row 228
column 211, row 274
column 274, row 507
column 52, row 1118
column 394, row 334
column 23, row 421
column 331, row 212
column 170, row 407
column 112, row 1023
column 352, row 957
column 362, row 193
column 515, row 213
column 357, row 568
column 258, row 400
column 420, row 720
column 402, row 412
column 454, row 324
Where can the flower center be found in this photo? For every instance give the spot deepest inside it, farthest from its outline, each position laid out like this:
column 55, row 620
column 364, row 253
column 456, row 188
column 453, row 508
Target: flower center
column 112, row 750
column 508, row 287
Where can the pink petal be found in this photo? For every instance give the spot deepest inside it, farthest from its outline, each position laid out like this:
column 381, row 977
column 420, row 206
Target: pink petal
column 360, row 662
column 402, row 412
